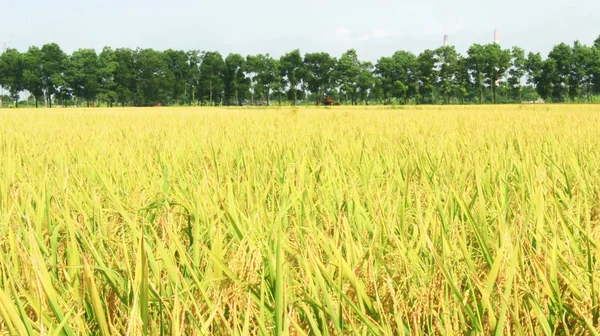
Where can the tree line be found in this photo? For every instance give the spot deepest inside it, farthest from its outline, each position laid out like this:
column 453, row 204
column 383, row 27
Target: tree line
column 146, row 77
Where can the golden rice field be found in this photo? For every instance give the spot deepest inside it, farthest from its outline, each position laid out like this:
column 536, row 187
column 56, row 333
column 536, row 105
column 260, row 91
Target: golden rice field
column 330, row 221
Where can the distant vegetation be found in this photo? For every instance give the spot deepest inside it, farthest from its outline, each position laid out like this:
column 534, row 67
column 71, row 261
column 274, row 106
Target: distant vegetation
column 147, row 77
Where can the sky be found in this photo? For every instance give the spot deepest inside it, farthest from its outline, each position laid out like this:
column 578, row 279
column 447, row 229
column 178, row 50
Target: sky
column 375, row 28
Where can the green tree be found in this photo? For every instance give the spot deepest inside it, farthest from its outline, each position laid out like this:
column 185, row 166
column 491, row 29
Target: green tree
column 107, row 67
column 497, row 62
column 426, row 73
column 582, row 72
column 211, row 83
column 266, row 70
column 32, row 73
column 235, row 82
column 397, row 75
column 462, row 79
column 348, row 70
column 54, row 61
column 319, row 73
column 476, row 64
column 594, row 68
column 11, row 73
column 151, row 77
column 534, row 68
column 279, row 84
column 178, row 72
column 517, row 71
column 384, row 69
column 82, row 74
column 541, row 73
column 365, row 81
column 562, row 56
column 193, row 81
column 125, row 75
column 291, row 69
column 447, row 62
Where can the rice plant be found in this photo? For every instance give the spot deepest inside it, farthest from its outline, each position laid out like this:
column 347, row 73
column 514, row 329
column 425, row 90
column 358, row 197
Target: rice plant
column 275, row 221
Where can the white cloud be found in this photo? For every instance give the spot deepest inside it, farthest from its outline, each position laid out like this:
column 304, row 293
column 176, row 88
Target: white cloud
column 382, row 33
column 346, row 35
column 340, row 34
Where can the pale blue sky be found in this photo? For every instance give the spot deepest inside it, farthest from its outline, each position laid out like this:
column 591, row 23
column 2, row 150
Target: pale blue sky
column 374, row 28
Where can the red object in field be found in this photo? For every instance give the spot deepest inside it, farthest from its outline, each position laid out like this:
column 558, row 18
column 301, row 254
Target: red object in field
column 158, row 105
column 328, row 101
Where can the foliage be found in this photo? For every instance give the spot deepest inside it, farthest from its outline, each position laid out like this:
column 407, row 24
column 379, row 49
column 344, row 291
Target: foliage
column 485, row 74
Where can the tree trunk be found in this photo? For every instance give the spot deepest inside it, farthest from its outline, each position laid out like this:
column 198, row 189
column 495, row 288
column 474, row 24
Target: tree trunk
column 417, row 95
column 267, row 94
column 346, row 94
column 36, row 102
column 295, row 95
column 480, row 95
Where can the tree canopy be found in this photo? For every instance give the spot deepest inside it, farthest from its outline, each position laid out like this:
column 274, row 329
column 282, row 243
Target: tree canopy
column 145, row 77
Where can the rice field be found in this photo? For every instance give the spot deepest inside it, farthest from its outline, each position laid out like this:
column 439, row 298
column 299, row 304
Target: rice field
column 300, row 221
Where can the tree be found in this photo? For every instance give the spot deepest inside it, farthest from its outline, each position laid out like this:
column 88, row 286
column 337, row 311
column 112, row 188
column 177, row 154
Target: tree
column 534, row 68
column 582, row 71
column 562, row 56
column 32, row 73
column 542, row 75
column 211, row 76
column 447, row 62
column 290, row 66
column 266, row 73
column 397, row 75
column 178, row 72
column 595, row 68
column 517, row 71
column 384, row 69
column 53, row 66
column 125, row 75
column 348, row 70
column 11, row 73
column 235, row 82
column 462, row 79
column 476, row 65
column 146, row 77
column 426, row 75
column 193, row 81
column 107, row 67
column 82, row 74
column 496, row 63
column 151, row 77
column 365, row 81
column 319, row 73
column 279, row 84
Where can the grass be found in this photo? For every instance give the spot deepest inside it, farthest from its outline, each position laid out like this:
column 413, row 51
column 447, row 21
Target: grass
column 426, row 220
